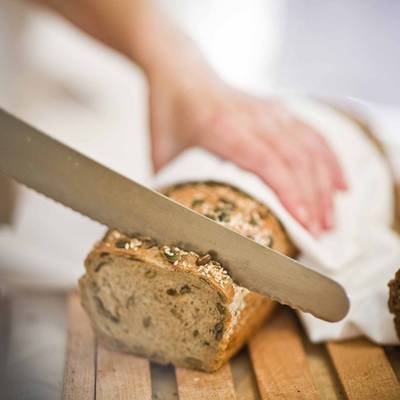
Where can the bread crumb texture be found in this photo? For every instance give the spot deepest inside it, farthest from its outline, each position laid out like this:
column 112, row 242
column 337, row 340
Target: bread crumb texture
column 176, row 306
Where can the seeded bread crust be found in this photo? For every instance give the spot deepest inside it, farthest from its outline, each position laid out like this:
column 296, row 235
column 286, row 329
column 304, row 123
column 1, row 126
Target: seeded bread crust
column 212, row 317
column 394, row 300
column 235, row 210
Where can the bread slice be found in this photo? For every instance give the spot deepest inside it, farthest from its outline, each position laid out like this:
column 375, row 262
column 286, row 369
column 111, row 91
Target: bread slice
column 176, row 306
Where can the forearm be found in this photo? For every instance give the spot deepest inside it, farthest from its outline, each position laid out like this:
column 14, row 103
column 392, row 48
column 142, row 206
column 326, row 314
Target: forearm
column 137, row 28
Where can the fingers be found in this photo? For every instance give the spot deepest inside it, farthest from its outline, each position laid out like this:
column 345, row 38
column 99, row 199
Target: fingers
column 248, row 151
column 318, row 145
column 329, row 174
column 326, row 197
column 287, row 154
column 301, row 167
column 312, row 162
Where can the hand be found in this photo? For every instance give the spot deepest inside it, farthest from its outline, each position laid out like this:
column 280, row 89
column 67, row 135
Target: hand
column 259, row 135
column 189, row 105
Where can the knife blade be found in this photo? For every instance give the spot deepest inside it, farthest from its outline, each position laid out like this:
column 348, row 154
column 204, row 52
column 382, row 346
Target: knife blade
column 82, row 184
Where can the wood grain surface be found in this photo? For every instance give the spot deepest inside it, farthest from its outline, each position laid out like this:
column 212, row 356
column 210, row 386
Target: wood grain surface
column 122, row 376
column 279, row 363
column 79, row 373
column 364, row 370
column 279, row 360
column 196, row 385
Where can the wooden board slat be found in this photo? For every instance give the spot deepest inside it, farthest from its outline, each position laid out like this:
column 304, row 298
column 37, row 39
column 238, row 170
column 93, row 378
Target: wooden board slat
column 279, row 360
column 196, row 385
column 244, row 379
column 122, row 376
column 286, row 365
column 79, row 373
column 364, row 370
column 322, row 371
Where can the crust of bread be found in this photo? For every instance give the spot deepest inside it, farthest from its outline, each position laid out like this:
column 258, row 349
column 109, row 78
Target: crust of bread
column 394, row 300
column 267, row 231
column 244, row 311
column 255, row 308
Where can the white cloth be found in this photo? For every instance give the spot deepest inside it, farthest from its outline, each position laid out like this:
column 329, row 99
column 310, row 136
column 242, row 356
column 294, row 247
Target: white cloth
column 362, row 253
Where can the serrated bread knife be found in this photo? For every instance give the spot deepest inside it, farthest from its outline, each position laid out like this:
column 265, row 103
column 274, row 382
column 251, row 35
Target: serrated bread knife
column 67, row 176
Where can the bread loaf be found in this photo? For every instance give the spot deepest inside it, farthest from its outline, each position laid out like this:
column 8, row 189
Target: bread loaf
column 394, row 300
column 176, row 306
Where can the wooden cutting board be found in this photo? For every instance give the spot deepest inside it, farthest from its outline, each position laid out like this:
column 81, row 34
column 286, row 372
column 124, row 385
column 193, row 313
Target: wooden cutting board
column 278, row 363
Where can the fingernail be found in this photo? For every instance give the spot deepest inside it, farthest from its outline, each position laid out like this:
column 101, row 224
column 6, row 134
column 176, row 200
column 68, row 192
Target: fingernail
column 329, row 219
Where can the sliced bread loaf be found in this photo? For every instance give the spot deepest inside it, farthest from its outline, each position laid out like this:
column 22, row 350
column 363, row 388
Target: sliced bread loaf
column 176, row 306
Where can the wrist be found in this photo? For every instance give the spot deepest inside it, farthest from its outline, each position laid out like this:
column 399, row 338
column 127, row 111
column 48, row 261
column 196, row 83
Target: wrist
column 173, row 57
column 161, row 50
column 185, row 70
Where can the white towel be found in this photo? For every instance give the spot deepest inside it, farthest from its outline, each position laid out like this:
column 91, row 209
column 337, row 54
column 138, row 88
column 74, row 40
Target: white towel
column 362, row 252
